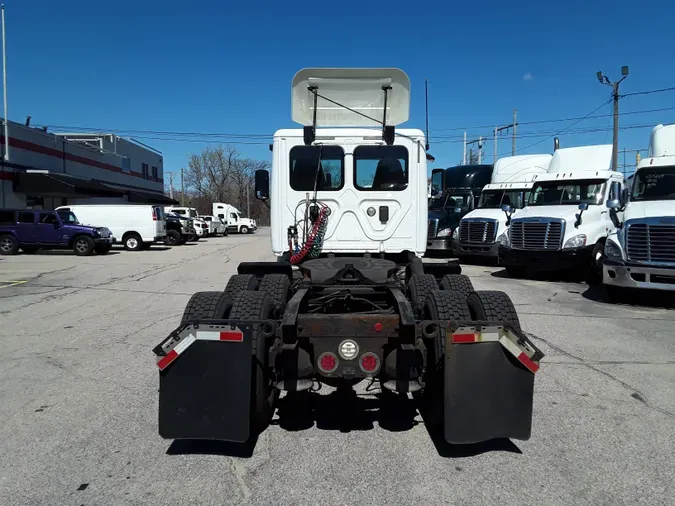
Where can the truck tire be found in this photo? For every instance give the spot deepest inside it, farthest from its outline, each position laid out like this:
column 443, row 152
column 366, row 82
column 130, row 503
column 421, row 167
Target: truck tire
column 594, row 272
column 9, row 245
column 172, row 238
column 250, row 305
column 458, row 283
column 239, row 283
column 278, row 286
column 83, row 245
column 420, row 286
column 441, row 305
column 493, row 306
column 132, row 242
column 207, row 306
column 243, row 229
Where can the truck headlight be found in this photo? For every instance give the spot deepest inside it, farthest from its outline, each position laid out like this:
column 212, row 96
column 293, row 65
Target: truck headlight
column 503, row 239
column 612, row 250
column 444, row 232
column 575, row 242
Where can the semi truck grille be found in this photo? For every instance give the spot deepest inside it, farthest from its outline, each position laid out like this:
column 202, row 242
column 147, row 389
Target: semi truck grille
column 432, row 229
column 536, row 235
column 477, row 231
column 651, row 243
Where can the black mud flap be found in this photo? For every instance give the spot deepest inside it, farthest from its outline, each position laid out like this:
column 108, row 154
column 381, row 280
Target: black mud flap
column 205, row 382
column 488, row 391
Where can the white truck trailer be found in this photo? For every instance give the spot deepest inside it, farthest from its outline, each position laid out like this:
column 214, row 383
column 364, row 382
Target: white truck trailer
column 566, row 222
column 640, row 252
column 482, row 230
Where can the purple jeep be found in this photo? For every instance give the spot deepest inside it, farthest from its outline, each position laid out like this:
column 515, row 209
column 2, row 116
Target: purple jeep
column 32, row 230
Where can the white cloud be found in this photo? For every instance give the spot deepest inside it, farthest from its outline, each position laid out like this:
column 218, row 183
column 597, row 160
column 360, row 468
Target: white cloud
column 528, row 76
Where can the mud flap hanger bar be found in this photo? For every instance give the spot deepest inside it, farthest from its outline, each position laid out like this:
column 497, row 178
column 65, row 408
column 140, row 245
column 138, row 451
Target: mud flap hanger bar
column 388, row 131
column 226, row 331
column 512, row 340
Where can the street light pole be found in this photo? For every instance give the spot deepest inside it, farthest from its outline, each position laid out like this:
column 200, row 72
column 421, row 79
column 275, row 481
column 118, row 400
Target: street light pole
column 615, row 98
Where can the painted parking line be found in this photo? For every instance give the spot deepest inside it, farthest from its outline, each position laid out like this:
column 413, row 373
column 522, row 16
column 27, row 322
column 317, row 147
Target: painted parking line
column 8, row 284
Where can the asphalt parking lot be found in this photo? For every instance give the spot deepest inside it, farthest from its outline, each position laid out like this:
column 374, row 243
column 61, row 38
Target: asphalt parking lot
column 78, row 385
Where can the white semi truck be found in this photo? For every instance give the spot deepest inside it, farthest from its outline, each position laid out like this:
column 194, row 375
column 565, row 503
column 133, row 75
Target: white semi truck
column 233, row 219
column 640, row 252
column 566, row 222
column 349, row 299
column 480, row 231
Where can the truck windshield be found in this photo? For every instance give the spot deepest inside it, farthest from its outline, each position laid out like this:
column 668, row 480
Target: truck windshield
column 495, row 199
column 654, row 183
column 68, row 217
column 555, row 193
column 453, row 200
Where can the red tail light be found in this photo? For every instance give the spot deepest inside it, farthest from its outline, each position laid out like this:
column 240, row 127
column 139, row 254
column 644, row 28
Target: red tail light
column 155, row 214
column 370, row 362
column 327, row 362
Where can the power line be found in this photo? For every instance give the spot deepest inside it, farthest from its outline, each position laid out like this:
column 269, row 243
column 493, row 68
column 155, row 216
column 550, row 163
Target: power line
column 567, row 127
column 649, row 92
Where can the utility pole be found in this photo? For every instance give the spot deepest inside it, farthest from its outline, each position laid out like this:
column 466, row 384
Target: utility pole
column 248, row 201
column 499, row 130
column 171, row 184
column 615, row 96
column 480, row 150
column 513, row 137
column 182, row 188
column 4, row 83
column 464, row 152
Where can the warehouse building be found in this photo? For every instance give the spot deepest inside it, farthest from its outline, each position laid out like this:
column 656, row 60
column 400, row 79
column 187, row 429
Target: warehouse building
column 43, row 170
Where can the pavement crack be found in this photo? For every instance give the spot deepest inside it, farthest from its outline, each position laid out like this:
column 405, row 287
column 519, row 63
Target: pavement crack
column 634, row 392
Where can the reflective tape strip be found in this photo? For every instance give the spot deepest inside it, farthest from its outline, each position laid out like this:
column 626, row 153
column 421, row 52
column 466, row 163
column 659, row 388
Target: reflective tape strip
column 166, row 360
column 519, row 354
column 465, row 337
column 235, row 336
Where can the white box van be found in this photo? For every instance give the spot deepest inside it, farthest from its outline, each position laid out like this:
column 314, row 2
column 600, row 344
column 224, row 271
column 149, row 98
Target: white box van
column 137, row 227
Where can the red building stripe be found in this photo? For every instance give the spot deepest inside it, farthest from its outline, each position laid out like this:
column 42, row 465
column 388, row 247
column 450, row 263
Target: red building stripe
column 44, row 150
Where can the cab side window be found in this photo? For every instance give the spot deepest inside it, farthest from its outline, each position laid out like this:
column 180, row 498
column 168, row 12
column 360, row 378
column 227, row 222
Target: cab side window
column 26, row 217
column 48, row 219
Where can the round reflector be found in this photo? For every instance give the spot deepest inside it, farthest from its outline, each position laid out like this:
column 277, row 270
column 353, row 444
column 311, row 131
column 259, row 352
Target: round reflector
column 370, row 362
column 327, row 362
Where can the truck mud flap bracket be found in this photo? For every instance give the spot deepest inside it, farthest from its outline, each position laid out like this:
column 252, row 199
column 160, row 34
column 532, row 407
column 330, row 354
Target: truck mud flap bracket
column 489, row 374
column 205, row 372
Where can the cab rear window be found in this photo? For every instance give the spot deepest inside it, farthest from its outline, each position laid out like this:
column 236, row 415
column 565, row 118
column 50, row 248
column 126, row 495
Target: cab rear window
column 305, row 170
column 381, row 168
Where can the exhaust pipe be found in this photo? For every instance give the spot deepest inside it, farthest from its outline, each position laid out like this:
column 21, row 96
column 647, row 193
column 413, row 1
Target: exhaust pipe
column 556, row 143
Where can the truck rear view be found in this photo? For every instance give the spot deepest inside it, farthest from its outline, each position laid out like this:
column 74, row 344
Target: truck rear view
column 348, row 299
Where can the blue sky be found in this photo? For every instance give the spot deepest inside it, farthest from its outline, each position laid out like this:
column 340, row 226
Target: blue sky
column 226, row 67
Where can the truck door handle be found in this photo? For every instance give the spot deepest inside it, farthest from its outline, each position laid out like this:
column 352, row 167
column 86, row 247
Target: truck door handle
column 384, row 214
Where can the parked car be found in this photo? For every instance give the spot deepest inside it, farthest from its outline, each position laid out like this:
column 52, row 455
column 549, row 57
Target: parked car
column 137, row 227
column 31, row 230
column 216, row 225
column 201, row 226
column 187, row 227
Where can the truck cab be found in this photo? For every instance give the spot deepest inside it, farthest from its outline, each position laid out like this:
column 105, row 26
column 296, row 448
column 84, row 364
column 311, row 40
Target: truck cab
column 640, row 251
column 482, row 230
column 455, row 192
column 234, row 221
column 566, row 222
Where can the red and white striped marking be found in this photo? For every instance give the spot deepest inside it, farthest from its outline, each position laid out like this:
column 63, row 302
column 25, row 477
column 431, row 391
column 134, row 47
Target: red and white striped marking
column 231, row 336
column 463, row 336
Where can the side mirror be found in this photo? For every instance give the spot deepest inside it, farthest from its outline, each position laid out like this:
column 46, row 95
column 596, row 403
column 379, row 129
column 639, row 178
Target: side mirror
column 583, row 206
column 613, row 204
column 262, row 184
column 623, row 196
column 506, row 208
column 457, row 210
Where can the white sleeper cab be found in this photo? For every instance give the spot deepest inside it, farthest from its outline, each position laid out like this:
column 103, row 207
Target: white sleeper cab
column 482, row 230
column 566, row 222
column 235, row 222
column 640, row 252
column 136, row 227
